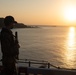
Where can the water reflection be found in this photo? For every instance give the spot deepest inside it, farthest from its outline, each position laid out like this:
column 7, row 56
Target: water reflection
column 71, row 37
column 70, row 50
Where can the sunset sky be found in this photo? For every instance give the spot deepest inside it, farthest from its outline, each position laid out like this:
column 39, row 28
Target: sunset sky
column 40, row 12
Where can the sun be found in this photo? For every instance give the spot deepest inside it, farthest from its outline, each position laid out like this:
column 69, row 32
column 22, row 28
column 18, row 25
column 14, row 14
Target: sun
column 70, row 13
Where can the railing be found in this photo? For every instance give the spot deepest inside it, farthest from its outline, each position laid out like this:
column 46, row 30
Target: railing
column 42, row 63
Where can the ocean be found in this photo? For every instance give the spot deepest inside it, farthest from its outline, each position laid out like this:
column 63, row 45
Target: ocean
column 56, row 45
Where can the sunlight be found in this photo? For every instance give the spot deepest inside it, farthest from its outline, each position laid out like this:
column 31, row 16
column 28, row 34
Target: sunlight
column 70, row 13
column 70, row 51
column 71, row 37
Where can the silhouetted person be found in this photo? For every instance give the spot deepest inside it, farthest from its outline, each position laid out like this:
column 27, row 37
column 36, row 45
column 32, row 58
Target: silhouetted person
column 9, row 47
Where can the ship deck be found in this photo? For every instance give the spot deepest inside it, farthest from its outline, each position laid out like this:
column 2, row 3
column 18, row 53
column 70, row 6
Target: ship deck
column 35, row 67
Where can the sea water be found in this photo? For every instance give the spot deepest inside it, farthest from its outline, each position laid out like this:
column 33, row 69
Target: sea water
column 56, row 45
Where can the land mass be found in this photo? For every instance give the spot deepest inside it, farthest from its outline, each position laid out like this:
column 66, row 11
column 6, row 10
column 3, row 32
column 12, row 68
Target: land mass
column 18, row 25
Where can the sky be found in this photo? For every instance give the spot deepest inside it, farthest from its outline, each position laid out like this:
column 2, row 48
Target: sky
column 40, row 12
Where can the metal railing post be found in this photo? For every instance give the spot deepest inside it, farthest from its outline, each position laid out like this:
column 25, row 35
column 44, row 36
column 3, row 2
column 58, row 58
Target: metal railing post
column 29, row 64
column 48, row 65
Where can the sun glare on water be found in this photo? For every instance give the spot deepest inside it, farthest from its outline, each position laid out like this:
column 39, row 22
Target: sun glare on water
column 70, row 47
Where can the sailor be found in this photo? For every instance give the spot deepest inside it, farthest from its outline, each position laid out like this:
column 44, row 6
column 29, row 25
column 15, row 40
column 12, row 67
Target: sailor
column 9, row 47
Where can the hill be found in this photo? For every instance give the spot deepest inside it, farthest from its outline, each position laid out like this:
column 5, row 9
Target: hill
column 18, row 25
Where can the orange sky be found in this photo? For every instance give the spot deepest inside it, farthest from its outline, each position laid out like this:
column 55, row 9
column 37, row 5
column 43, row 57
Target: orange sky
column 40, row 12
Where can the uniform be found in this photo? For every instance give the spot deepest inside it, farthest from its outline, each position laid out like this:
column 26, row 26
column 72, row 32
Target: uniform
column 9, row 51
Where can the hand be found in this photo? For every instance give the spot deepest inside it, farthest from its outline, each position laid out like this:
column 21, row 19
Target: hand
column 18, row 46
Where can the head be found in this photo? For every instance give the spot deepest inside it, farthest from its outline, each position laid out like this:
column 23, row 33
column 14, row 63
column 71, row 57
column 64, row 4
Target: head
column 9, row 21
